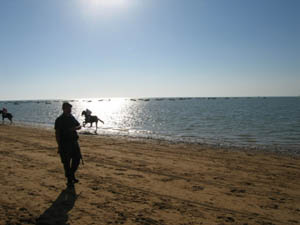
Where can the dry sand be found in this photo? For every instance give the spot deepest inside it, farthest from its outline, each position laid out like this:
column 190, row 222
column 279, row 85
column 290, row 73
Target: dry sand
column 143, row 182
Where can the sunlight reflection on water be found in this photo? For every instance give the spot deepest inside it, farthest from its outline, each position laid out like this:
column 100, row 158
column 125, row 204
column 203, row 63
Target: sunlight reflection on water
column 116, row 113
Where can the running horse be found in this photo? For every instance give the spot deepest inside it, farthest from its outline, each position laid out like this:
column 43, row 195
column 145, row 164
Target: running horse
column 90, row 119
column 9, row 116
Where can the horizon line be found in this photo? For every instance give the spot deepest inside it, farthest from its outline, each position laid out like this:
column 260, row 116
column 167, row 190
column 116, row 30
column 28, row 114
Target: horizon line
column 91, row 98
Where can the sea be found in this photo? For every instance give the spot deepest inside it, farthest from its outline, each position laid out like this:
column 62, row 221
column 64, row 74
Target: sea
column 260, row 123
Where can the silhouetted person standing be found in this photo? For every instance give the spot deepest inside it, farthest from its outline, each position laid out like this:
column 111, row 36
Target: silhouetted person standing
column 67, row 139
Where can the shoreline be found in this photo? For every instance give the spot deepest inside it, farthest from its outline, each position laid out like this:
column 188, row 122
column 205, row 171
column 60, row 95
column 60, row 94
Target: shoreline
column 144, row 182
column 264, row 125
column 254, row 149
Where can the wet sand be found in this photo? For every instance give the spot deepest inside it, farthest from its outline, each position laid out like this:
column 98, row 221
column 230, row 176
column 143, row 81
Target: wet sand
column 125, row 181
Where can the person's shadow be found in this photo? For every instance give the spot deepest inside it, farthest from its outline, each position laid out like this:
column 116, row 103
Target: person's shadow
column 57, row 213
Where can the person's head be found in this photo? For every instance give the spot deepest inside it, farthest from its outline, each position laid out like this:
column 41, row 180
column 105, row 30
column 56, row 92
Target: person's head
column 66, row 107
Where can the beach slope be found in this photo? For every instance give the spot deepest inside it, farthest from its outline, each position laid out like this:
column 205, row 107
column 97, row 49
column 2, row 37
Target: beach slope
column 125, row 181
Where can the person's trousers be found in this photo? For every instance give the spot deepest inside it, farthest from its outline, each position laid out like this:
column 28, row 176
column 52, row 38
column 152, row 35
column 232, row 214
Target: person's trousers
column 70, row 157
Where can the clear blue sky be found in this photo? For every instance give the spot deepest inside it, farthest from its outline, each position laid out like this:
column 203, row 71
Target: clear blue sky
column 146, row 48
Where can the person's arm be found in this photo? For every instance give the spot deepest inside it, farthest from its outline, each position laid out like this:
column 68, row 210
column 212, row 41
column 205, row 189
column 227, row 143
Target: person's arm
column 77, row 125
column 57, row 136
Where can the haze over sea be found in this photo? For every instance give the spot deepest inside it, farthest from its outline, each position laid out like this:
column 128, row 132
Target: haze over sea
column 271, row 123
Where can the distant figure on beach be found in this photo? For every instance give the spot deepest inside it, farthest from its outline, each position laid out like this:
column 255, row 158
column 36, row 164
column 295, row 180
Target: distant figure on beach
column 66, row 127
column 6, row 114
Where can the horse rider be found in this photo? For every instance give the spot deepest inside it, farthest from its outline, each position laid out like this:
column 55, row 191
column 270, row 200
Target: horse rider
column 4, row 111
column 88, row 114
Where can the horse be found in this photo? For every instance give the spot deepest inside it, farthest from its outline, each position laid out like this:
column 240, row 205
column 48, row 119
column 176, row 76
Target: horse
column 9, row 116
column 90, row 119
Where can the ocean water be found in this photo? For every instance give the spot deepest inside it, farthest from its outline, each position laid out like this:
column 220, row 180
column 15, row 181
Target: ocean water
column 271, row 123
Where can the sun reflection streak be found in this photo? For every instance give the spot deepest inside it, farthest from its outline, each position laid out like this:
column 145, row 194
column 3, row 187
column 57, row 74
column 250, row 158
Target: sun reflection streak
column 116, row 112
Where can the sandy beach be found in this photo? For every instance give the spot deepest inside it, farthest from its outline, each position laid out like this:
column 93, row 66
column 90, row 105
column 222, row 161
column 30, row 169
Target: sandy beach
column 127, row 181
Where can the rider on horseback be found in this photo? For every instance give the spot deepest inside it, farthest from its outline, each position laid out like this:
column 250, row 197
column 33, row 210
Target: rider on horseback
column 4, row 111
column 6, row 114
column 88, row 114
column 90, row 118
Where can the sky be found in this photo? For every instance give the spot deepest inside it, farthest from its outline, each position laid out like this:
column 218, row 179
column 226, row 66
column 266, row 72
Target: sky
column 53, row 49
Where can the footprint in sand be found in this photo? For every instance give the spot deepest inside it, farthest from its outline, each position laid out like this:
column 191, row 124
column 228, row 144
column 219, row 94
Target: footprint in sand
column 119, row 174
column 272, row 206
column 121, row 169
column 161, row 205
column 135, row 176
column 197, row 188
column 237, row 191
column 167, row 179
column 145, row 220
column 226, row 219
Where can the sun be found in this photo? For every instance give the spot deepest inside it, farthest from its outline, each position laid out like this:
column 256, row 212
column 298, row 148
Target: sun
column 106, row 3
column 102, row 10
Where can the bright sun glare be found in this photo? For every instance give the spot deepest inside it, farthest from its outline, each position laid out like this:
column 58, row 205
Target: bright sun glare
column 107, row 3
column 102, row 8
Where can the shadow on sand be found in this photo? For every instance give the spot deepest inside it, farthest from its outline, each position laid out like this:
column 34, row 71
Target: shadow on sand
column 89, row 133
column 57, row 213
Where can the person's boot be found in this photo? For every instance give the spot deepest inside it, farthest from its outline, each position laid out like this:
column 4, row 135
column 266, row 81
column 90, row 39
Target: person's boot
column 74, row 180
column 70, row 182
